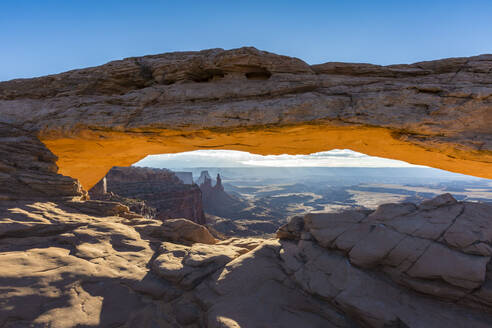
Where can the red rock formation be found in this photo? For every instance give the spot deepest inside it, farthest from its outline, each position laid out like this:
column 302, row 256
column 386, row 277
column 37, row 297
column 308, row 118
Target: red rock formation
column 216, row 201
column 159, row 188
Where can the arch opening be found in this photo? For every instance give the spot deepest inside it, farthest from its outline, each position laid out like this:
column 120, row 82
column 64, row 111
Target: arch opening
column 238, row 193
column 90, row 154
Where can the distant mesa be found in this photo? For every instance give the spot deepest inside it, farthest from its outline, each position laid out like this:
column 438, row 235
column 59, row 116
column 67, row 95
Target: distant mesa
column 171, row 195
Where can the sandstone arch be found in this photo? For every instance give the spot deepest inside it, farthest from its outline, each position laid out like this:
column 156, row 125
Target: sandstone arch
column 90, row 158
column 436, row 113
column 85, row 254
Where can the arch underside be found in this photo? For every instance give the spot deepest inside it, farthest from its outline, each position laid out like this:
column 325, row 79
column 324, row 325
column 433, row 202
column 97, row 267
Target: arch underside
column 91, row 154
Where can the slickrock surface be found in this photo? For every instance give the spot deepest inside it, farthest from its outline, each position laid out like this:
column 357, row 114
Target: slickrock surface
column 441, row 248
column 181, row 230
column 63, row 268
column 96, row 264
column 436, row 113
column 161, row 189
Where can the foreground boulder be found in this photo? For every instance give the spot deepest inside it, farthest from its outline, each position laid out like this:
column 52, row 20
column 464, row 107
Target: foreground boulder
column 180, row 230
column 188, row 265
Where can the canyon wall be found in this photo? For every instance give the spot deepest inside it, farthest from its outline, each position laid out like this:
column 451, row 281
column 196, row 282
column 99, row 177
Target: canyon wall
column 436, row 113
column 159, row 188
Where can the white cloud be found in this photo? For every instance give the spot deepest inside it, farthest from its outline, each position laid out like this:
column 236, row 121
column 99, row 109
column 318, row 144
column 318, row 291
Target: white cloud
column 233, row 158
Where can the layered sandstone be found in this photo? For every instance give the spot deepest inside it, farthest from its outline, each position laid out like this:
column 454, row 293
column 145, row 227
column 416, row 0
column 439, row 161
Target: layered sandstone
column 160, row 189
column 441, row 248
column 435, row 113
column 28, row 169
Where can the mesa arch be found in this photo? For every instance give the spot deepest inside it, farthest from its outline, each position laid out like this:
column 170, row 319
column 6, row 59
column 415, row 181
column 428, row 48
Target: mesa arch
column 89, row 159
column 436, row 113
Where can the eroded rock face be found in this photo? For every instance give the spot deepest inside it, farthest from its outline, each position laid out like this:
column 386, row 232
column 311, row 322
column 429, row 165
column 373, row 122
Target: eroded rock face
column 441, row 248
column 161, row 189
column 189, row 265
column 435, row 113
column 28, row 169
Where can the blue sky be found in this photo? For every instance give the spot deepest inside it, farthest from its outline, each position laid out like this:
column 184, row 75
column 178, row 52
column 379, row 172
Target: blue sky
column 44, row 37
